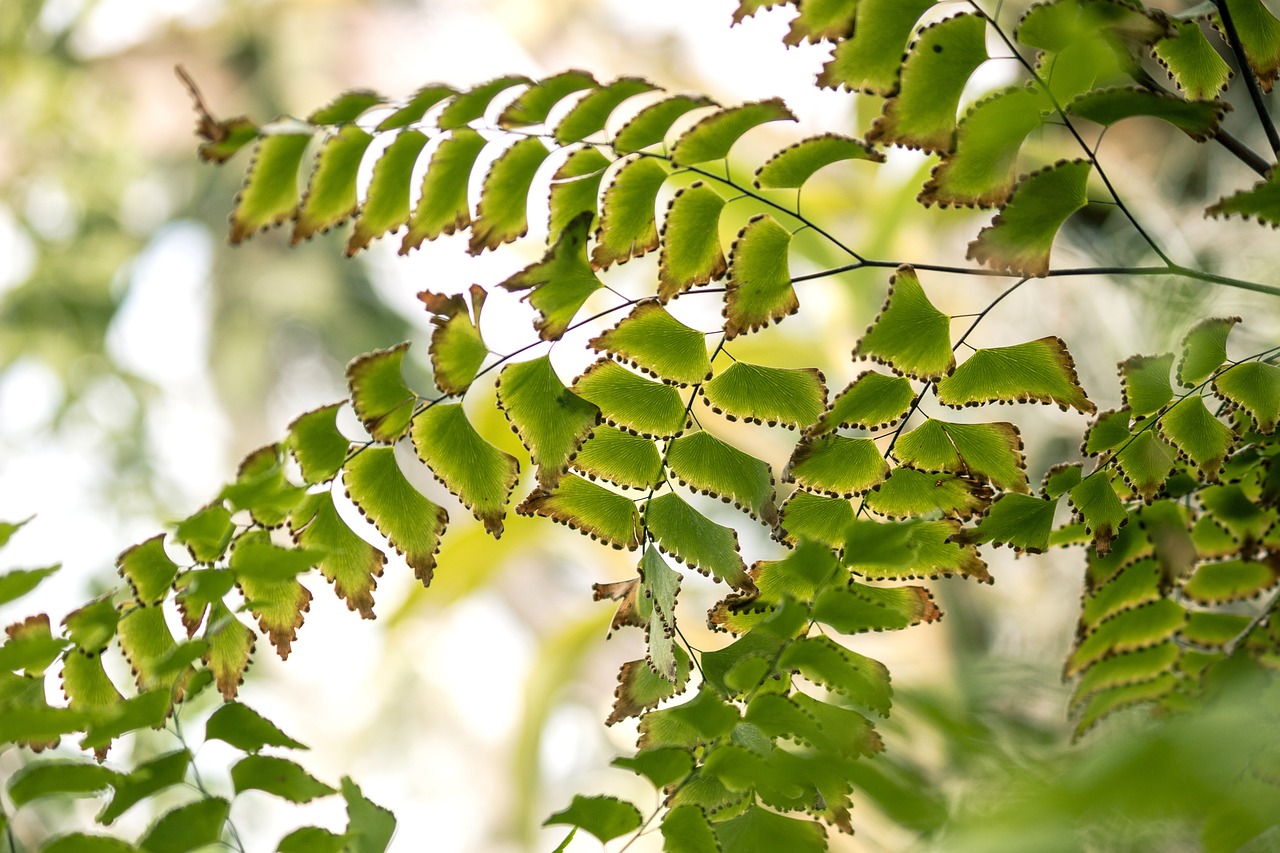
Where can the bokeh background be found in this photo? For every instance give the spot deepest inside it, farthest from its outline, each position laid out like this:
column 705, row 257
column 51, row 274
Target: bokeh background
column 141, row 357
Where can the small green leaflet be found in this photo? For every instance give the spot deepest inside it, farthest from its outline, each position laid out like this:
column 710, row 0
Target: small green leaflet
column 501, row 214
column 640, row 688
column 626, row 460
column 651, row 339
column 650, row 125
column 1040, row 371
column 472, row 104
column 457, row 349
column 934, row 74
column 907, row 493
column 597, row 512
column 870, row 402
column 691, row 252
column 278, row 776
column 379, row 395
column 481, row 475
column 267, row 575
column 317, row 445
column 19, row 582
column 857, row 608
column 416, row 107
column 588, row 115
column 270, row 192
column 191, row 827
column 1197, row 119
column 560, row 283
column 575, row 188
column 146, row 779
column 345, row 108
column 629, row 401
column 1129, row 630
column 756, row 393
column 81, row 842
column 369, row 825
column 551, row 420
column 30, row 647
column 821, row 20
column 1253, row 387
column 1261, row 202
column 759, row 290
column 386, row 204
column 348, row 562
column 758, row 829
column 696, row 540
column 909, row 335
column 1109, row 430
column 262, row 488
column 1230, row 580
column 1022, row 522
column 59, row 778
column 443, row 207
column 312, row 839
column 660, row 766
column 810, row 516
column 1144, row 382
column 1146, row 463
column 93, row 625
column 196, row 590
column 712, row 137
column 246, row 729
column 824, row 661
column 1200, row 72
column 8, row 528
column 1095, row 502
column 1204, row 349
column 628, row 217
column 660, row 584
column 224, row 139
column 691, row 723
column 1198, row 436
column 604, row 817
column 791, row 167
column 146, row 642
column 330, row 198
column 1019, row 240
column 536, row 102
column 1260, row 35
column 909, row 549
column 713, row 467
column 869, row 61
column 231, row 645
column 836, row 466
column 1061, row 478
column 1125, row 669
column 148, row 570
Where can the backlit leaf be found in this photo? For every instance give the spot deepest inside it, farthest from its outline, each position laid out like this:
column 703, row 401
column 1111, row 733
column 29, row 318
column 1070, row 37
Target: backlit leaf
column 1130, row 630
column 330, row 198
column 626, row 460
column 660, row 584
column 1260, row 202
column 93, row 625
column 457, row 349
column 711, row 466
column 691, row 241
column 696, row 721
column 83, row 842
column 146, row 642
column 836, row 465
column 1197, row 119
column 481, row 475
column 593, row 510
column 857, row 608
column 1109, row 430
column 1260, row 35
column 379, row 395
column 58, row 778
column 19, row 582
column 501, row 215
column 1113, row 699
column 651, row 339
column 551, row 420
column 870, row 402
column 560, row 283
column 628, row 217
column 604, row 817
column 792, row 166
column 246, row 729
column 1230, row 580
column 278, row 776
column 1204, row 349
column 1095, row 503
column 821, row 20
column 1020, row 238
column 1200, row 72
column 1198, row 436
column 696, row 540
column 1039, row 371
column 1131, row 668
column 312, row 839
column 348, row 562
column 909, row 549
column 270, row 192
column 1253, row 387
column 630, row 401
column 274, row 595
column 906, row 493
column 712, row 137
column 317, row 445
column 759, row 394
column 262, row 488
column 633, row 610
column 416, row 107
column 575, row 188
column 1144, row 382
column 536, row 102
column 197, row 589
column 91, row 694
column 589, row 114
column 1146, row 463
column 386, row 204
column 1022, row 522
column 30, row 646
column 231, row 646
column 759, row 290
column 909, row 335
column 685, row 829
column 934, row 74
column 650, row 125
column 472, row 104
column 640, row 688
column 148, row 778
column 824, row 661
column 369, row 825
column 1061, row 478
column 759, row 829
column 345, row 108
column 146, row 710
column 148, row 570
column 191, row 827
column 224, row 139
column 443, row 206
column 869, row 61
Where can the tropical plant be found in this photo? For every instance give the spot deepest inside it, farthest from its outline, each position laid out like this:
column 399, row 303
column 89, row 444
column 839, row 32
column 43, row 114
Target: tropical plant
column 764, row 742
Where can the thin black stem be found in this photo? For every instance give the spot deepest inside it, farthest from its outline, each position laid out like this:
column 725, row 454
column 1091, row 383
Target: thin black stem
column 1250, row 82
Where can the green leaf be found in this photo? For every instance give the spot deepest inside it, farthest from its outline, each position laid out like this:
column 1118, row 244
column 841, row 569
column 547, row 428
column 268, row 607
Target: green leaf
column 277, row 776
column 870, row 402
column 1253, row 387
column 1061, row 478
column 1146, row 463
column 1260, row 36
column 148, row 778
column 590, row 509
column 906, row 493
column 196, row 590
column 1192, row 62
column 821, row 20
column 148, row 570
column 758, row 394
column 626, row 460
column 910, row 549
column 536, row 102
column 640, row 688
column 457, row 349
column 1204, row 349
column 934, row 74
column 8, row 528
column 551, row 420
column 348, row 562
column 190, row 827
column 660, row 584
column 824, row 661
column 758, row 829
column 560, row 283
column 696, row 540
column 231, row 645
column 1096, row 504
column 1131, row 668
column 224, row 139
column 691, row 241
column 330, row 198
column 685, row 829
column 1231, row 580
column 759, row 290
column 1109, row 430
column 629, row 401
column 501, row 215
column 481, row 475
column 416, row 107
column 575, row 188
column 869, row 62
column 473, row 103
column 317, row 445
column 443, row 206
column 30, row 646
column 1144, row 382
column 1130, row 630
column 246, row 729
column 379, row 395
column 1022, row 522
column 712, row 137
column 1019, row 240
column 747, row 8
column 1232, row 508
column 267, row 577
column 92, row 626
column 90, row 693
column 604, row 817
column 1039, row 371
column 19, row 582
column 836, row 466
column 589, row 114
column 980, row 170
column 1198, row 436
column 650, row 125
column 1260, row 202
column 699, row 720
column 1213, row 630
column 345, row 108
column 857, row 608
column 270, row 192
column 81, row 842
column 146, row 710
column 262, row 488
column 59, row 778
column 713, row 467
column 791, row 167
column 385, row 206
column 628, row 217
column 909, row 335
column 660, row 766
column 658, row 344
column 312, row 839
column 146, row 642
column 1197, row 119
column 1108, row 701
column 256, row 557
column 369, row 825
